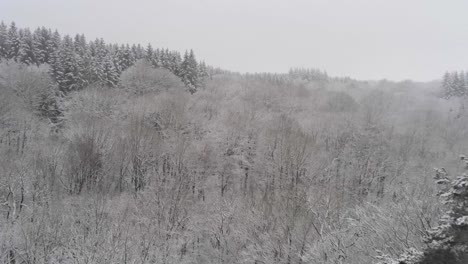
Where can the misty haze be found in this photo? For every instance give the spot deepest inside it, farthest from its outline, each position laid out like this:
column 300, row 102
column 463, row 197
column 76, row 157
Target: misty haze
column 225, row 132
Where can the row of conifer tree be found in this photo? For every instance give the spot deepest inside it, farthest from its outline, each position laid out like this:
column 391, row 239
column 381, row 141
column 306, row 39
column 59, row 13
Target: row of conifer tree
column 75, row 62
column 455, row 84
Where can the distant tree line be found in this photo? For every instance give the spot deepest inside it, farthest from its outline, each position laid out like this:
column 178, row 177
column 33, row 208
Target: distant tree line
column 285, row 79
column 455, row 84
column 308, row 74
column 75, row 62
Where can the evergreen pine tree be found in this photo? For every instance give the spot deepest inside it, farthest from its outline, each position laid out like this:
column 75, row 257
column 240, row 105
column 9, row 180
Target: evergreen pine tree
column 117, row 58
column 457, row 85
column 149, row 53
column 164, row 58
column 462, row 85
column 127, row 58
column 140, row 52
column 174, row 63
column 202, row 70
column 3, row 41
column 13, row 42
column 84, row 58
column 39, row 46
column 134, row 52
column 99, row 53
column 26, row 51
column 53, row 49
column 465, row 84
column 110, row 75
column 447, row 85
column 69, row 67
column 80, row 45
column 53, row 46
column 42, row 44
column 189, row 71
column 184, row 68
column 157, row 58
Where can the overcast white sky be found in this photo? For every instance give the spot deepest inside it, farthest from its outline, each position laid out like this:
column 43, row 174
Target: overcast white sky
column 364, row 39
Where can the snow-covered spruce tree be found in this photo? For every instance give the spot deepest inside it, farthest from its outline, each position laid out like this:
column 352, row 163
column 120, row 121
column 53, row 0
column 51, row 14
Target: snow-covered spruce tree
column 110, row 75
column 98, row 53
column 157, row 58
column 116, row 59
column 189, row 71
column 446, row 243
column 13, row 42
column 127, row 58
column 53, row 44
column 175, row 61
column 461, row 87
column 466, row 83
column 447, row 85
column 53, row 50
column 40, row 38
column 81, row 47
column 149, row 53
column 454, row 84
column 164, row 58
column 3, row 41
column 138, row 51
column 26, row 51
column 68, row 67
column 202, row 70
column 458, row 84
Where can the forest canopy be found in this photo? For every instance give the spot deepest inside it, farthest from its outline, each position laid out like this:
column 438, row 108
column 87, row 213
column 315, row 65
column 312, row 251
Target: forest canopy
column 117, row 153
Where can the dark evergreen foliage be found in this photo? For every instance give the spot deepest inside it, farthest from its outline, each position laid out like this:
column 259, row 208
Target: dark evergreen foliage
column 454, row 84
column 446, row 243
column 76, row 63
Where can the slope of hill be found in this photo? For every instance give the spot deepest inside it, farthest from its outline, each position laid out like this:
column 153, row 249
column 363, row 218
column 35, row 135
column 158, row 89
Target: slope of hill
column 156, row 166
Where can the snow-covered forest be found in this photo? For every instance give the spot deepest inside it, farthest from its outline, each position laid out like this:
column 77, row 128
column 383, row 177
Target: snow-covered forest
column 118, row 153
column 75, row 63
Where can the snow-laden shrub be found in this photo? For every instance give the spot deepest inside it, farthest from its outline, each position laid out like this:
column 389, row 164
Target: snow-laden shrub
column 339, row 102
column 142, row 78
column 34, row 87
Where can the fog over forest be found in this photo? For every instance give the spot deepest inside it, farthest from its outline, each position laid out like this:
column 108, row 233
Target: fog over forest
column 131, row 152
